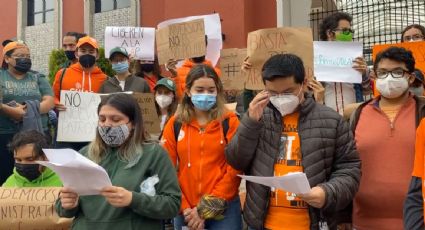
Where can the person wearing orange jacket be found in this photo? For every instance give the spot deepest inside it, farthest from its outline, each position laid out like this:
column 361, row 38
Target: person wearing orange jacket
column 195, row 138
column 83, row 76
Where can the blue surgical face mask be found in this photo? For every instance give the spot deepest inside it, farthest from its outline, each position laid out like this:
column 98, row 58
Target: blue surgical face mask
column 120, row 67
column 203, row 102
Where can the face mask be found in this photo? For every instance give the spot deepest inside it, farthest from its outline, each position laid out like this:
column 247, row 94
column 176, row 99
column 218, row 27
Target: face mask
column 198, row 59
column 163, row 100
column 418, row 91
column 29, row 171
column 286, row 104
column 23, row 65
column 114, row 136
column 147, row 67
column 87, row 60
column 203, row 102
column 344, row 37
column 70, row 54
column 392, row 87
column 120, row 67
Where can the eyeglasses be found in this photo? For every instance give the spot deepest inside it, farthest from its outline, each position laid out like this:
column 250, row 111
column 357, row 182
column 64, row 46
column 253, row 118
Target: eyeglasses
column 21, row 56
column 397, row 73
column 416, row 37
column 345, row 30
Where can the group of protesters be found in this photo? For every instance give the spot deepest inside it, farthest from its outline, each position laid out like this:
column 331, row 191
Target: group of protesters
column 364, row 159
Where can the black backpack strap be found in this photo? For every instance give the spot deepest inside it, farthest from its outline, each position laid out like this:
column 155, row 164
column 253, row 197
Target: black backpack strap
column 354, row 118
column 225, row 125
column 177, row 126
column 61, row 79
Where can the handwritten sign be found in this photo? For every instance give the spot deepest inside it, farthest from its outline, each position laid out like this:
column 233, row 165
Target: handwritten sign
column 230, row 65
column 181, row 40
column 138, row 41
column 212, row 24
column 79, row 121
column 30, row 209
column 150, row 117
column 417, row 48
column 264, row 43
column 333, row 61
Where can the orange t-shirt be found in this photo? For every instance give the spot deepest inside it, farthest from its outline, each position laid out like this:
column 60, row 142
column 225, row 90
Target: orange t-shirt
column 418, row 167
column 286, row 211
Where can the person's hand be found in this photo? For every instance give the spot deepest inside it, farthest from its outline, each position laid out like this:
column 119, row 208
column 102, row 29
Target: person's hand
column 69, row 198
column 318, row 90
column 246, row 65
column 171, row 66
column 60, row 107
column 360, row 65
column 117, row 196
column 257, row 105
column 315, row 198
column 194, row 222
column 18, row 112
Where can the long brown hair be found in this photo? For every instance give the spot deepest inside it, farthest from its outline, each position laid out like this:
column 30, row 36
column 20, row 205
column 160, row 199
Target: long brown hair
column 186, row 111
column 131, row 150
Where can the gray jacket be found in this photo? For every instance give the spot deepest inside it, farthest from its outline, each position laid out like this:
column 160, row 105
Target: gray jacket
column 329, row 159
column 132, row 83
column 32, row 117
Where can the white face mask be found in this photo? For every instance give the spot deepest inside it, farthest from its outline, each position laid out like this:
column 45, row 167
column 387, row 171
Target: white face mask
column 164, row 100
column 286, row 104
column 391, row 87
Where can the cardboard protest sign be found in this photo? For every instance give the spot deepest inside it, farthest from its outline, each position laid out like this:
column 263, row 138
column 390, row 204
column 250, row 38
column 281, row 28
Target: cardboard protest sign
column 333, row 61
column 230, row 65
column 417, row 48
column 212, row 24
column 79, row 121
column 150, row 117
column 138, row 41
column 181, row 40
column 264, row 43
column 30, row 209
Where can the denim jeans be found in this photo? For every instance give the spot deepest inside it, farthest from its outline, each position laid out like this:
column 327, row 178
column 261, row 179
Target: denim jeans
column 232, row 218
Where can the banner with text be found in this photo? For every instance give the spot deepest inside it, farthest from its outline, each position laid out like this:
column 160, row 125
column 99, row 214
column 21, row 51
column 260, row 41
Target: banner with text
column 264, row 43
column 230, row 65
column 30, row 209
column 181, row 40
column 150, row 117
column 79, row 121
column 138, row 41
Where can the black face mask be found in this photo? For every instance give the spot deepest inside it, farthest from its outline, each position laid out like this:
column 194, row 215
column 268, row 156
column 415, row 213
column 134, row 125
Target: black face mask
column 29, row 171
column 147, row 67
column 70, row 54
column 199, row 59
column 87, row 60
column 23, row 65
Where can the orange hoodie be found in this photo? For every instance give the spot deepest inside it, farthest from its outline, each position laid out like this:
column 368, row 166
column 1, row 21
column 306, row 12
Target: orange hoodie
column 78, row 80
column 199, row 156
column 180, row 79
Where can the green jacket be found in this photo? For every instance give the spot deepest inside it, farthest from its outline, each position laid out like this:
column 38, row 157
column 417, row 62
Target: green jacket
column 144, row 211
column 47, row 179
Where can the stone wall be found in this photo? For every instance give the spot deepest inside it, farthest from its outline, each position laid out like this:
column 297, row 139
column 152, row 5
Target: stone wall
column 40, row 40
column 120, row 17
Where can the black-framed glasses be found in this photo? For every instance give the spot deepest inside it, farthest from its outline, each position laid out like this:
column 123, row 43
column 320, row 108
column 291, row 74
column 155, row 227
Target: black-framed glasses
column 397, row 73
column 345, row 31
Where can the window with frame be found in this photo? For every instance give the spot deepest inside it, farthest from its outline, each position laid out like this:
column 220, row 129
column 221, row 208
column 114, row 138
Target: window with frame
column 108, row 5
column 40, row 11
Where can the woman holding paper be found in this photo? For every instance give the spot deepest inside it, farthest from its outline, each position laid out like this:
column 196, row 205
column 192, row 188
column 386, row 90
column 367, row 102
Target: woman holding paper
column 195, row 138
column 131, row 163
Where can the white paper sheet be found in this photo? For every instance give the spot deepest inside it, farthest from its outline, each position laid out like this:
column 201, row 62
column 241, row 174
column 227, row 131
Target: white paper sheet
column 212, row 30
column 292, row 182
column 76, row 171
column 333, row 61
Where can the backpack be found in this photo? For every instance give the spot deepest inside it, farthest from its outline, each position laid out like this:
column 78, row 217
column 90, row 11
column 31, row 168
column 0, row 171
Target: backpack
column 178, row 125
column 61, row 79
